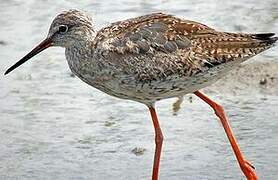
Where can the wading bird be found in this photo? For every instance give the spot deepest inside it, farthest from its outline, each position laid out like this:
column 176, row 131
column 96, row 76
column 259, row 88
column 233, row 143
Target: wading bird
column 153, row 57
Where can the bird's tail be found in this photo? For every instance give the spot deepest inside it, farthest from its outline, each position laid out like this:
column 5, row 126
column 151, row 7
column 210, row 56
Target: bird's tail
column 266, row 38
column 239, row 47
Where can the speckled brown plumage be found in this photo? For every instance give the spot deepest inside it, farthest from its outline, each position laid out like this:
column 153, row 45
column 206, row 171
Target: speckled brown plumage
column 172, row 56
column 195, row 43
column 151, row 57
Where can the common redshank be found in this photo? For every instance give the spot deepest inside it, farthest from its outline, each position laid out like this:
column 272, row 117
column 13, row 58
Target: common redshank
column 153, row 57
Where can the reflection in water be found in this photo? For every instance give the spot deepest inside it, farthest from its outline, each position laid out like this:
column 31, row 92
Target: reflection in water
column 54, row 126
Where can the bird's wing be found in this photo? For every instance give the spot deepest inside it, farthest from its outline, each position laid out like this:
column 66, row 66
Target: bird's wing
column 160, row 45
column 162, row 33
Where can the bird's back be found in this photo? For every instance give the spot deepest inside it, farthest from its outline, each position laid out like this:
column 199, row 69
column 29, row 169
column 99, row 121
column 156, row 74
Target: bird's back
column 160, row 56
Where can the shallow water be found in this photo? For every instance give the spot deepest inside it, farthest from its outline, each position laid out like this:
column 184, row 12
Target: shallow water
column 52, row 125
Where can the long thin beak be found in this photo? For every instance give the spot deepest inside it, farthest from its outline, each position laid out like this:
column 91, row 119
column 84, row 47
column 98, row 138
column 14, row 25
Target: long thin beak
column 42, row 46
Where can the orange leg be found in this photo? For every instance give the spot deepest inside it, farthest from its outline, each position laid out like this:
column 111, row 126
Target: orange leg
column 158, row 143
column 245, row 166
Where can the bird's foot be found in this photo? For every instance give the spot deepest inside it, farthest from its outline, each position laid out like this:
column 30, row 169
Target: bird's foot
column 249, row 170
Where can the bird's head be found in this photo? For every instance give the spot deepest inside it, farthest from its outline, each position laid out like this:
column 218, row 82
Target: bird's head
column 67, row 28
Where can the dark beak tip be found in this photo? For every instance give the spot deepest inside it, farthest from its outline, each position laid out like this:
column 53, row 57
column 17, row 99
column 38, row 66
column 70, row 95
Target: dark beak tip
column 10, row 69
column 7, row 72
column 43, row 45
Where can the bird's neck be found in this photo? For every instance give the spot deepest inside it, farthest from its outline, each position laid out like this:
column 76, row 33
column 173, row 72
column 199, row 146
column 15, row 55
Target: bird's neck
column 83, row 36
column 81, row 46
column 79, row 55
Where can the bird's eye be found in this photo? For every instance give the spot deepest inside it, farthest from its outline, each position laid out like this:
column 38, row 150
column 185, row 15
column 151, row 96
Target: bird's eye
column 63, row 29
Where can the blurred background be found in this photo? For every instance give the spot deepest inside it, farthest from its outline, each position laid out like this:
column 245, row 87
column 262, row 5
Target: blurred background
column 53, row 126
